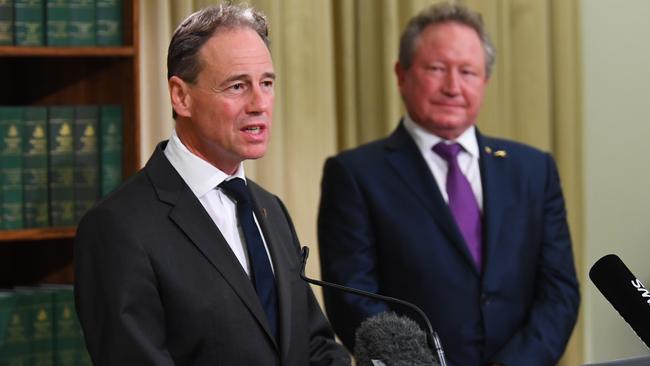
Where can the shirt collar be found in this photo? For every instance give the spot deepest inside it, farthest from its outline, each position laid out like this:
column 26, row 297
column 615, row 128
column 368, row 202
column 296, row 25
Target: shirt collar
column 197, row 173
column 425, row 140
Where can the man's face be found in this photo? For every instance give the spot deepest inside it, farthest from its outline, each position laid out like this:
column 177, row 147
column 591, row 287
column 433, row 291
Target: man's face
column 443, row 89
column 230, row 106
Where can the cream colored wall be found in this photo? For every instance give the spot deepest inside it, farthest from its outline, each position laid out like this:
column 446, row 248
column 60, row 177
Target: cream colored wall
column 616, row 90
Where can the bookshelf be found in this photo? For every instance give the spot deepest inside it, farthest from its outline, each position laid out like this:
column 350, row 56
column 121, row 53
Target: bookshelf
column 68, row 76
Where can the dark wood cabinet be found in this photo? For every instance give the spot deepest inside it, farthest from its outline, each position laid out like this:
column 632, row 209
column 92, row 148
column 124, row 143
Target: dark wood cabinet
column 68, row 76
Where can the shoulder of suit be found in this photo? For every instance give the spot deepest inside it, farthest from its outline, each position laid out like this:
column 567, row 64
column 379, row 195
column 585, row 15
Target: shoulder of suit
column 363, row 154
column 130, row 191
column 259, row 191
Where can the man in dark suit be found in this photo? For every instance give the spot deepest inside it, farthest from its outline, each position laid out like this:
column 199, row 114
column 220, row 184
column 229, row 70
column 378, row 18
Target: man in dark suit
column 189, row 263
column 470, row 228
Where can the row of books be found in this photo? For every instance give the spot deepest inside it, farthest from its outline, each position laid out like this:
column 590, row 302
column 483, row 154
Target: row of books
column 56, row 162
column 61, row 23
column 39, row 326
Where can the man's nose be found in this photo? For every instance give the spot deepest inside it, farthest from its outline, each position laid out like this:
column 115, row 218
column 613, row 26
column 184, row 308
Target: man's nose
column 451, row 85
column 260, row 99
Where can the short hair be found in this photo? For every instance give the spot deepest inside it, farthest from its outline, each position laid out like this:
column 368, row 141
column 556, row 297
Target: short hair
column 183, row 53
column 444, row 13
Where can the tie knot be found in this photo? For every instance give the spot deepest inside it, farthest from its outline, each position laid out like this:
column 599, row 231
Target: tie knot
column 447, row 151
column 236, row 188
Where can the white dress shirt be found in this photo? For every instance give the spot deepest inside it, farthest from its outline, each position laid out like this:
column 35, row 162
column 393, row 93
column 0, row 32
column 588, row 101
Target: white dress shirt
column 467, row 157
column 203, row 179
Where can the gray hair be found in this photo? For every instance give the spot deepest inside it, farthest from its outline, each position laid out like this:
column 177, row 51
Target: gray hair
column 443, row 13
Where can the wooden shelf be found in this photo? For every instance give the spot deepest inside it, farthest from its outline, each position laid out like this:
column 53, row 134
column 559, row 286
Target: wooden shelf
column 7, row 236
column 70, row 76
column 13, row 51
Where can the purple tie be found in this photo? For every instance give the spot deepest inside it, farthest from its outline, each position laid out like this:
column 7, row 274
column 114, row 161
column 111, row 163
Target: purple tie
column 462, row 201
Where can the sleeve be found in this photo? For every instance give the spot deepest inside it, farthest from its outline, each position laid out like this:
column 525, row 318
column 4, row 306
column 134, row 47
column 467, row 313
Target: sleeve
column 541, row 341
column 323, row 349
column 347, row 251
column 116, row 295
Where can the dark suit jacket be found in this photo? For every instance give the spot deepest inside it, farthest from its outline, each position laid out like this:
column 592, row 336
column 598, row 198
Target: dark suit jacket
column 157, row 284
column 385, row 227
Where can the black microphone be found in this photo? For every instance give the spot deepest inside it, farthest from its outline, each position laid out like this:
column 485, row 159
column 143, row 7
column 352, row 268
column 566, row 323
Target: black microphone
column 625, row 292
column 432, row 337
column 393, row 340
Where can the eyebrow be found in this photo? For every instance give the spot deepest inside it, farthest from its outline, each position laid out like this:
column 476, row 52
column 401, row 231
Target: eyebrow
column 266, row 75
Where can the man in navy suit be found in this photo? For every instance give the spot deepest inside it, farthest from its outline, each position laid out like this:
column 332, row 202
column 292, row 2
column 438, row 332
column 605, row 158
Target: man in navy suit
column 470, row 228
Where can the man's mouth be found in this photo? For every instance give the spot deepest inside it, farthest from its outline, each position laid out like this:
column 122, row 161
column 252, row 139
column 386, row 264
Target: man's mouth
column 253, row 129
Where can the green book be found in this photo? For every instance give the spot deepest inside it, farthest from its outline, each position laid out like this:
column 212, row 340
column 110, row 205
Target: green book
column 111, row 148
column 86, row 159
column 57, row 23
column 84, row 357
column 29, row 22
column 61, row 165
column 81, row 22
column 11, row 167
column 108, row 17
column 69, row 345
column 41, row 317
column 67, row 334
column 15, row 344
column 35, row 195
column 7, row 305
column 6, row 22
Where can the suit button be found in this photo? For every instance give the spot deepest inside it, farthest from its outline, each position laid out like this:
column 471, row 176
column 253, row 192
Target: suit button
column 485, row 299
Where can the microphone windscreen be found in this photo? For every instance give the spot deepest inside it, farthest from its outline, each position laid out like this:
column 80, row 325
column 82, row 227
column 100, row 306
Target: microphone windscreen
column 625, row 292
column 392, row 339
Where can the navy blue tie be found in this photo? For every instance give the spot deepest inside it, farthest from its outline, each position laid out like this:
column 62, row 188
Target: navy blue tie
column 261, row 273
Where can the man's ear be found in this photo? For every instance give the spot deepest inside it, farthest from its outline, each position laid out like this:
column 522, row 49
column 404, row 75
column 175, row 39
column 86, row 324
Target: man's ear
column 399, row 72
column 180, row 97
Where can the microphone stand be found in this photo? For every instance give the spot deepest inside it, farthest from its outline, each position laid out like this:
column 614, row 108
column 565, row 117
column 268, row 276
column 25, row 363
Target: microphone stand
column 432, row 337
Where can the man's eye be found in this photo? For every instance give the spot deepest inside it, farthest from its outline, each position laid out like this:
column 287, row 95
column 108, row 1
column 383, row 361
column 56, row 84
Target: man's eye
column 238, row 86
column 267, row 83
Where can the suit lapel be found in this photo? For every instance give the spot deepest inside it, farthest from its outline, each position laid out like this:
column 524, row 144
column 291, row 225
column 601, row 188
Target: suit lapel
column 405, row 158
column 266, row 215
column 190, row 216
column 497, row 198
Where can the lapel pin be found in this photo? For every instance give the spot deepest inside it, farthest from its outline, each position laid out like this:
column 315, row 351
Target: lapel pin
column 264, row 212
column 500, row 153
column 488, row 150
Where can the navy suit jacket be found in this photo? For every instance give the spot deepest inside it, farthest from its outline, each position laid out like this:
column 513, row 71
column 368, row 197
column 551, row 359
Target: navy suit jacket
column 157, row 284
column 384, row 227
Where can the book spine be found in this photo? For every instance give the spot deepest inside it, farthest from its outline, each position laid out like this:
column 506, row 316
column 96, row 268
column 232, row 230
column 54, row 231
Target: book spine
column 11, row 167
column 108, row 17
column 67, row 332
column 6, row 22
column 86, row 159
column 35, row 195
column 61, row 165
column 17, row 342
column 42, row 327
column 7, row 305
column 84, row 356
column 57, row 23
column 81, row 21
column 29, row 21
column 111, row 148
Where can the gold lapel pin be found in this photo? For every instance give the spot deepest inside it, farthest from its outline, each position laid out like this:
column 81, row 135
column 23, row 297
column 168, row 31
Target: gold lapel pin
column 488, row 150
column 500, row 153
column 264, row 212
